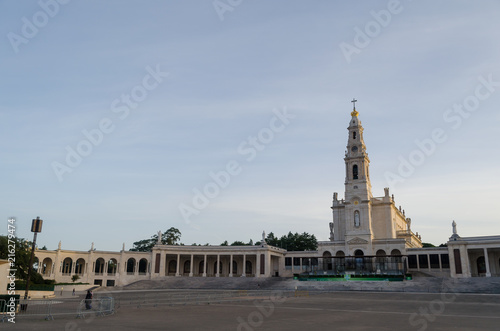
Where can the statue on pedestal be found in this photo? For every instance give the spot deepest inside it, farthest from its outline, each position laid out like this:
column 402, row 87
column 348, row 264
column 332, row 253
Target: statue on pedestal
column 455, row 235
column 158, row 241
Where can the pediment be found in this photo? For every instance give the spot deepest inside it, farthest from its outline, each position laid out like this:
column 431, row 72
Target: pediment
column 357, row 241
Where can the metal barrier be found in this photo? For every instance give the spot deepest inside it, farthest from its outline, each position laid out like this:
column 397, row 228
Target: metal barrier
column 47, row 309
column 35, row 308
column 100, row 307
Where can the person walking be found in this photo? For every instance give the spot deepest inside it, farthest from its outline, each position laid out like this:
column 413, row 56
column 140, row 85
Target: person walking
column 88, row 300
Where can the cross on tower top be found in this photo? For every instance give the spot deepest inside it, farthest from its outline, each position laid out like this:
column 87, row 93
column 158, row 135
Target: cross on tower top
column 354, row 111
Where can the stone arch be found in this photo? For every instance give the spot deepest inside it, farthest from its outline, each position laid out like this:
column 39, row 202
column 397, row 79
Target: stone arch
column 340, row 254
column 46, row 266
column 187, row 267
column 143, row 266
column 99, row 266
column 359, row 253
column 248, row 267
column 380, row 260
column 396, row 252
column 327, row 261
column 396, row 256
column 131, row 266
column 66, row 265
column 355, row 174
column 112, row 266
column 80, row 266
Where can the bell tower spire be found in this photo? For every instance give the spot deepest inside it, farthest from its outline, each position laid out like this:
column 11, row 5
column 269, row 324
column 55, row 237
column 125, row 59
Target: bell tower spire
column 357, row 180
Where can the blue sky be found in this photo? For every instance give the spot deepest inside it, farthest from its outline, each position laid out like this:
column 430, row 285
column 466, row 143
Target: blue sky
column 178, row 89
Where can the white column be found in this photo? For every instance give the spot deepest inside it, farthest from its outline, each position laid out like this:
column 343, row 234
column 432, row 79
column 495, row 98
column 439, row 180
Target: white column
column 178, row 265
column 243, row 274
column 218, row 266
column 192, row 266
column 464, row 255
column 231, row 266
column 487, row 262
column 429, row 262
column 205, row 266
column 257, row 262
column 162, row 263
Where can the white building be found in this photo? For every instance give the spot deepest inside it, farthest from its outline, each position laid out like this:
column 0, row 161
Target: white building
column 368, row 236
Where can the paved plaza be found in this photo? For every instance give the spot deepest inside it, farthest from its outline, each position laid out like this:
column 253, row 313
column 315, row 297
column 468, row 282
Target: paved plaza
column 307, row 311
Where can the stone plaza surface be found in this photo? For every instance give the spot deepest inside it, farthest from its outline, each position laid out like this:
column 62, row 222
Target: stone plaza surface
column 347, row 310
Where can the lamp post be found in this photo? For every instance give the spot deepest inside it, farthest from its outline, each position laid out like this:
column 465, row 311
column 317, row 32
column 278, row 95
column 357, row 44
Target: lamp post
column 36, row 226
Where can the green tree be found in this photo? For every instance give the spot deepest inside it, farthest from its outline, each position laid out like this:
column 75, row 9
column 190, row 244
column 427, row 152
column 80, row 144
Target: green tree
column 427, row 245
column 238, row 243
column 225, row 243
column 293, row 241
column 22, row 255
column 169, row 237
column 74, row 278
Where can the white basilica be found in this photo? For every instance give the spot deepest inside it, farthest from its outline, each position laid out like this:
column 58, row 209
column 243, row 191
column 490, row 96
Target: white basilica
column 369, row 236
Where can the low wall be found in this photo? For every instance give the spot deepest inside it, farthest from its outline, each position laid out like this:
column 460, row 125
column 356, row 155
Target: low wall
column 36, row 294
column 69, row 288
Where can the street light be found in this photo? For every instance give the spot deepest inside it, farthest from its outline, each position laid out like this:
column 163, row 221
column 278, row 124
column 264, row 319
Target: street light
column 36, row 226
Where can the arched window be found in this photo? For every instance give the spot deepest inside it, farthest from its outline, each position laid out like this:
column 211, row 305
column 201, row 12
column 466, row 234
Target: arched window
column 47, row 266
column 354, row 135
column 112, row 266
column 67, row 264
column 130, row 266
column 355, row 171
column 80, row 266
column 99, row 266
column 327, row 261
column 143, row 266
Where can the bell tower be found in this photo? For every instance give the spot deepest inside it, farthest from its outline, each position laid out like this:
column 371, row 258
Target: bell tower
column 357, row 179
column 353, row 217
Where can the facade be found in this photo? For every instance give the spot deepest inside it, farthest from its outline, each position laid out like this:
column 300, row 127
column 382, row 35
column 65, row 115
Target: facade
column 368, row 236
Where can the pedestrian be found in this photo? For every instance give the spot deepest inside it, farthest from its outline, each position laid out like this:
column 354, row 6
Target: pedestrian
column 88, row 300
column 61, row 290
column 73, row 291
